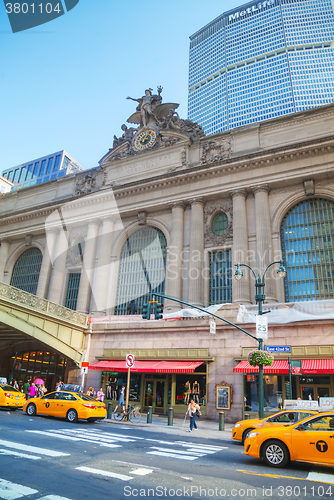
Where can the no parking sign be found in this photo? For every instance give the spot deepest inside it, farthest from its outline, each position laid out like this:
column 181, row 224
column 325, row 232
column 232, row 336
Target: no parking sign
column 130, row 360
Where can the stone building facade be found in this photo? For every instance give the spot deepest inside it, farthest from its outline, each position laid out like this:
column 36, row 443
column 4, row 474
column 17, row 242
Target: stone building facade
column 213, row 202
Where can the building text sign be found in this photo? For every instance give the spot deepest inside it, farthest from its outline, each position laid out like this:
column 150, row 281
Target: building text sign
column 257, row 7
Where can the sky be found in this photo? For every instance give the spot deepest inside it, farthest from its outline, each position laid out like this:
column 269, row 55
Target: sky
column 64, row 84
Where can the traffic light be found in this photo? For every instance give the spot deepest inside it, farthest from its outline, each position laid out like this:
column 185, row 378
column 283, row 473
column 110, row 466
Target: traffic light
column 158, row 310
column 146, row 311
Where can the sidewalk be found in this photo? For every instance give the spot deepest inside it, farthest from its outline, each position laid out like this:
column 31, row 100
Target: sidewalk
column 206, row 428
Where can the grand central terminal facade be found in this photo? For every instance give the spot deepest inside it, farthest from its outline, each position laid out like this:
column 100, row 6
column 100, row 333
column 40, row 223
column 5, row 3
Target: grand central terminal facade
column 172, row 211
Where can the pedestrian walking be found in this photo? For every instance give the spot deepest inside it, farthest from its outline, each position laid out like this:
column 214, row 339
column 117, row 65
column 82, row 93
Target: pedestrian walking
column 121, row 399
column 25, row 388
column 193, row 411
column 32, row 391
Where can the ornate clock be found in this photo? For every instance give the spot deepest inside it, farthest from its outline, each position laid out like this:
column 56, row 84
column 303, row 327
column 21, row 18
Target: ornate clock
column 145, row 139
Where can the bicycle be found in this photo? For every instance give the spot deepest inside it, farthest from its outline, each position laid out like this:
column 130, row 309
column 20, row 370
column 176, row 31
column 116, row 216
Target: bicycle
column 132, row 414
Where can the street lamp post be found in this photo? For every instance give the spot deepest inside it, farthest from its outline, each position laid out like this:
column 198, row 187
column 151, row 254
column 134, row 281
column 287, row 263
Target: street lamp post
column 260, row 298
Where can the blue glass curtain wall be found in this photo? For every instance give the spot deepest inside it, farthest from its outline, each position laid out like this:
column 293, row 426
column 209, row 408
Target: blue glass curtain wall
column 307, row 245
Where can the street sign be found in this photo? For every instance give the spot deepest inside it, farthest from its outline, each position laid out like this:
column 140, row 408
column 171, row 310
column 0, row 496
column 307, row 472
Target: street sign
column 261, row 327
column 278, row 348
column 85, row 369
column 84, row 364
column 130, row 360
column 212, row 326
column 296, row 366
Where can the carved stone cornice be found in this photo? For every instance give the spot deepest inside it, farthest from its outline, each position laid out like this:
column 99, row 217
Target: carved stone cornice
column 253, row 161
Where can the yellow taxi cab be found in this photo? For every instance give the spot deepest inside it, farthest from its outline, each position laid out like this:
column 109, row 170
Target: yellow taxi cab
column 69, row 405
column 10, row 397
column 310, row 440
column 242, row 428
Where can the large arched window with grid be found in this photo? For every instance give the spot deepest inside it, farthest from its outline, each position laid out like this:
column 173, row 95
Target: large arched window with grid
column 142, row 269
column 26, row 270
column 307, row 244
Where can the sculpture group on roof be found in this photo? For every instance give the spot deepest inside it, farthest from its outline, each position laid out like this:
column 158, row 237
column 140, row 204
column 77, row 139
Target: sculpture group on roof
column 152, row 113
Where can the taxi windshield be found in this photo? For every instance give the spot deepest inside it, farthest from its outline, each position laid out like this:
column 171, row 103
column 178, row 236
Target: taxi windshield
column 8, row 388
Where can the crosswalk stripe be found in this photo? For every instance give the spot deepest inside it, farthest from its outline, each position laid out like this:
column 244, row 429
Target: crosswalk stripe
column 181, row 452
column 33, row 449
column 70, row 438
column 171, row 455
column 105, row 473
column 201, row 450
column 17, row 454
column 98, row 436
column 11, row 491
column 141, row 471
column 53, row 497
column 53, row 434
column 322, row 478
column 199, row 445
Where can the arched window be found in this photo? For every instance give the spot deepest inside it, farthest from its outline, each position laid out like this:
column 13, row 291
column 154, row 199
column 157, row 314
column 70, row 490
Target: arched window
column 26, row 270
column 308, row 251
column 142, row 269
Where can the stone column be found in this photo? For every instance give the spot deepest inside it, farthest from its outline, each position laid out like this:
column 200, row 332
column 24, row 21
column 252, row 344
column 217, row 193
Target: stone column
column 4, row 249
column 174, row 267
column 46, row 267
column 102, row 276
column 196, row 253
column 88, row 267
column 59, row 268
column 240, row 288
column 264, row 242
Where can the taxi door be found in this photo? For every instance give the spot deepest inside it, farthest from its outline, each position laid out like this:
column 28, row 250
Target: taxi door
column 66, row 401
column 315, row 442
column 48, row 404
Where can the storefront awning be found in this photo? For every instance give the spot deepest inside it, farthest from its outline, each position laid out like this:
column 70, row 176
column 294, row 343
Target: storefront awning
column 309, row 367
column 148, row 366
column 314, row 366
column 279, row 366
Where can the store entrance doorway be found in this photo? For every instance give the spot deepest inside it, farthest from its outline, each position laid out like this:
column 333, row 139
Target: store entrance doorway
column 315, row 392
column 154, row 395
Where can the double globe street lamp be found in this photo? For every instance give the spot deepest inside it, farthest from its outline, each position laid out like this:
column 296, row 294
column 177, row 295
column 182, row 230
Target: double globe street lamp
column 260, row 298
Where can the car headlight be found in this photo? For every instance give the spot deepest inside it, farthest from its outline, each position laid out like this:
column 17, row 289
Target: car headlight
column 253, row 434
column 237, row 425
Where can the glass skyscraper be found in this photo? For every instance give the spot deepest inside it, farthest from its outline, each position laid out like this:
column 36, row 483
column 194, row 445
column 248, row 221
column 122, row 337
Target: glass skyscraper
column 42, row 170
column 261, row 60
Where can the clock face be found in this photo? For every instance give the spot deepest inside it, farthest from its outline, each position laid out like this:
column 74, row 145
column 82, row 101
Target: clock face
column 145, row 139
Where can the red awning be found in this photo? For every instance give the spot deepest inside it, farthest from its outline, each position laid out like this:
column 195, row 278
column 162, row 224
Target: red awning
column 309, row 367
column 312, row 366
column 148, row 366
column 279, row 366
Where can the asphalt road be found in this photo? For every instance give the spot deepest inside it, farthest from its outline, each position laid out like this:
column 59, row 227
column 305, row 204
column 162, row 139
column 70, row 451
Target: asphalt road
column 51, row 459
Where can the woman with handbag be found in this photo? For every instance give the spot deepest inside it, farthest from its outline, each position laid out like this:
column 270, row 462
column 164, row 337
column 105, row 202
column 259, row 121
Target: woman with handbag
column 193, row 411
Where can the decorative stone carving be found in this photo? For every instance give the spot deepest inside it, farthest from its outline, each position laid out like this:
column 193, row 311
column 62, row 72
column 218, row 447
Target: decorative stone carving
column 28, row 240
column 159, row 126
column 85, row 183
column 142, row 218
column 214, row 151
column 184, row 157
column 211, row 209
column 309, row 187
